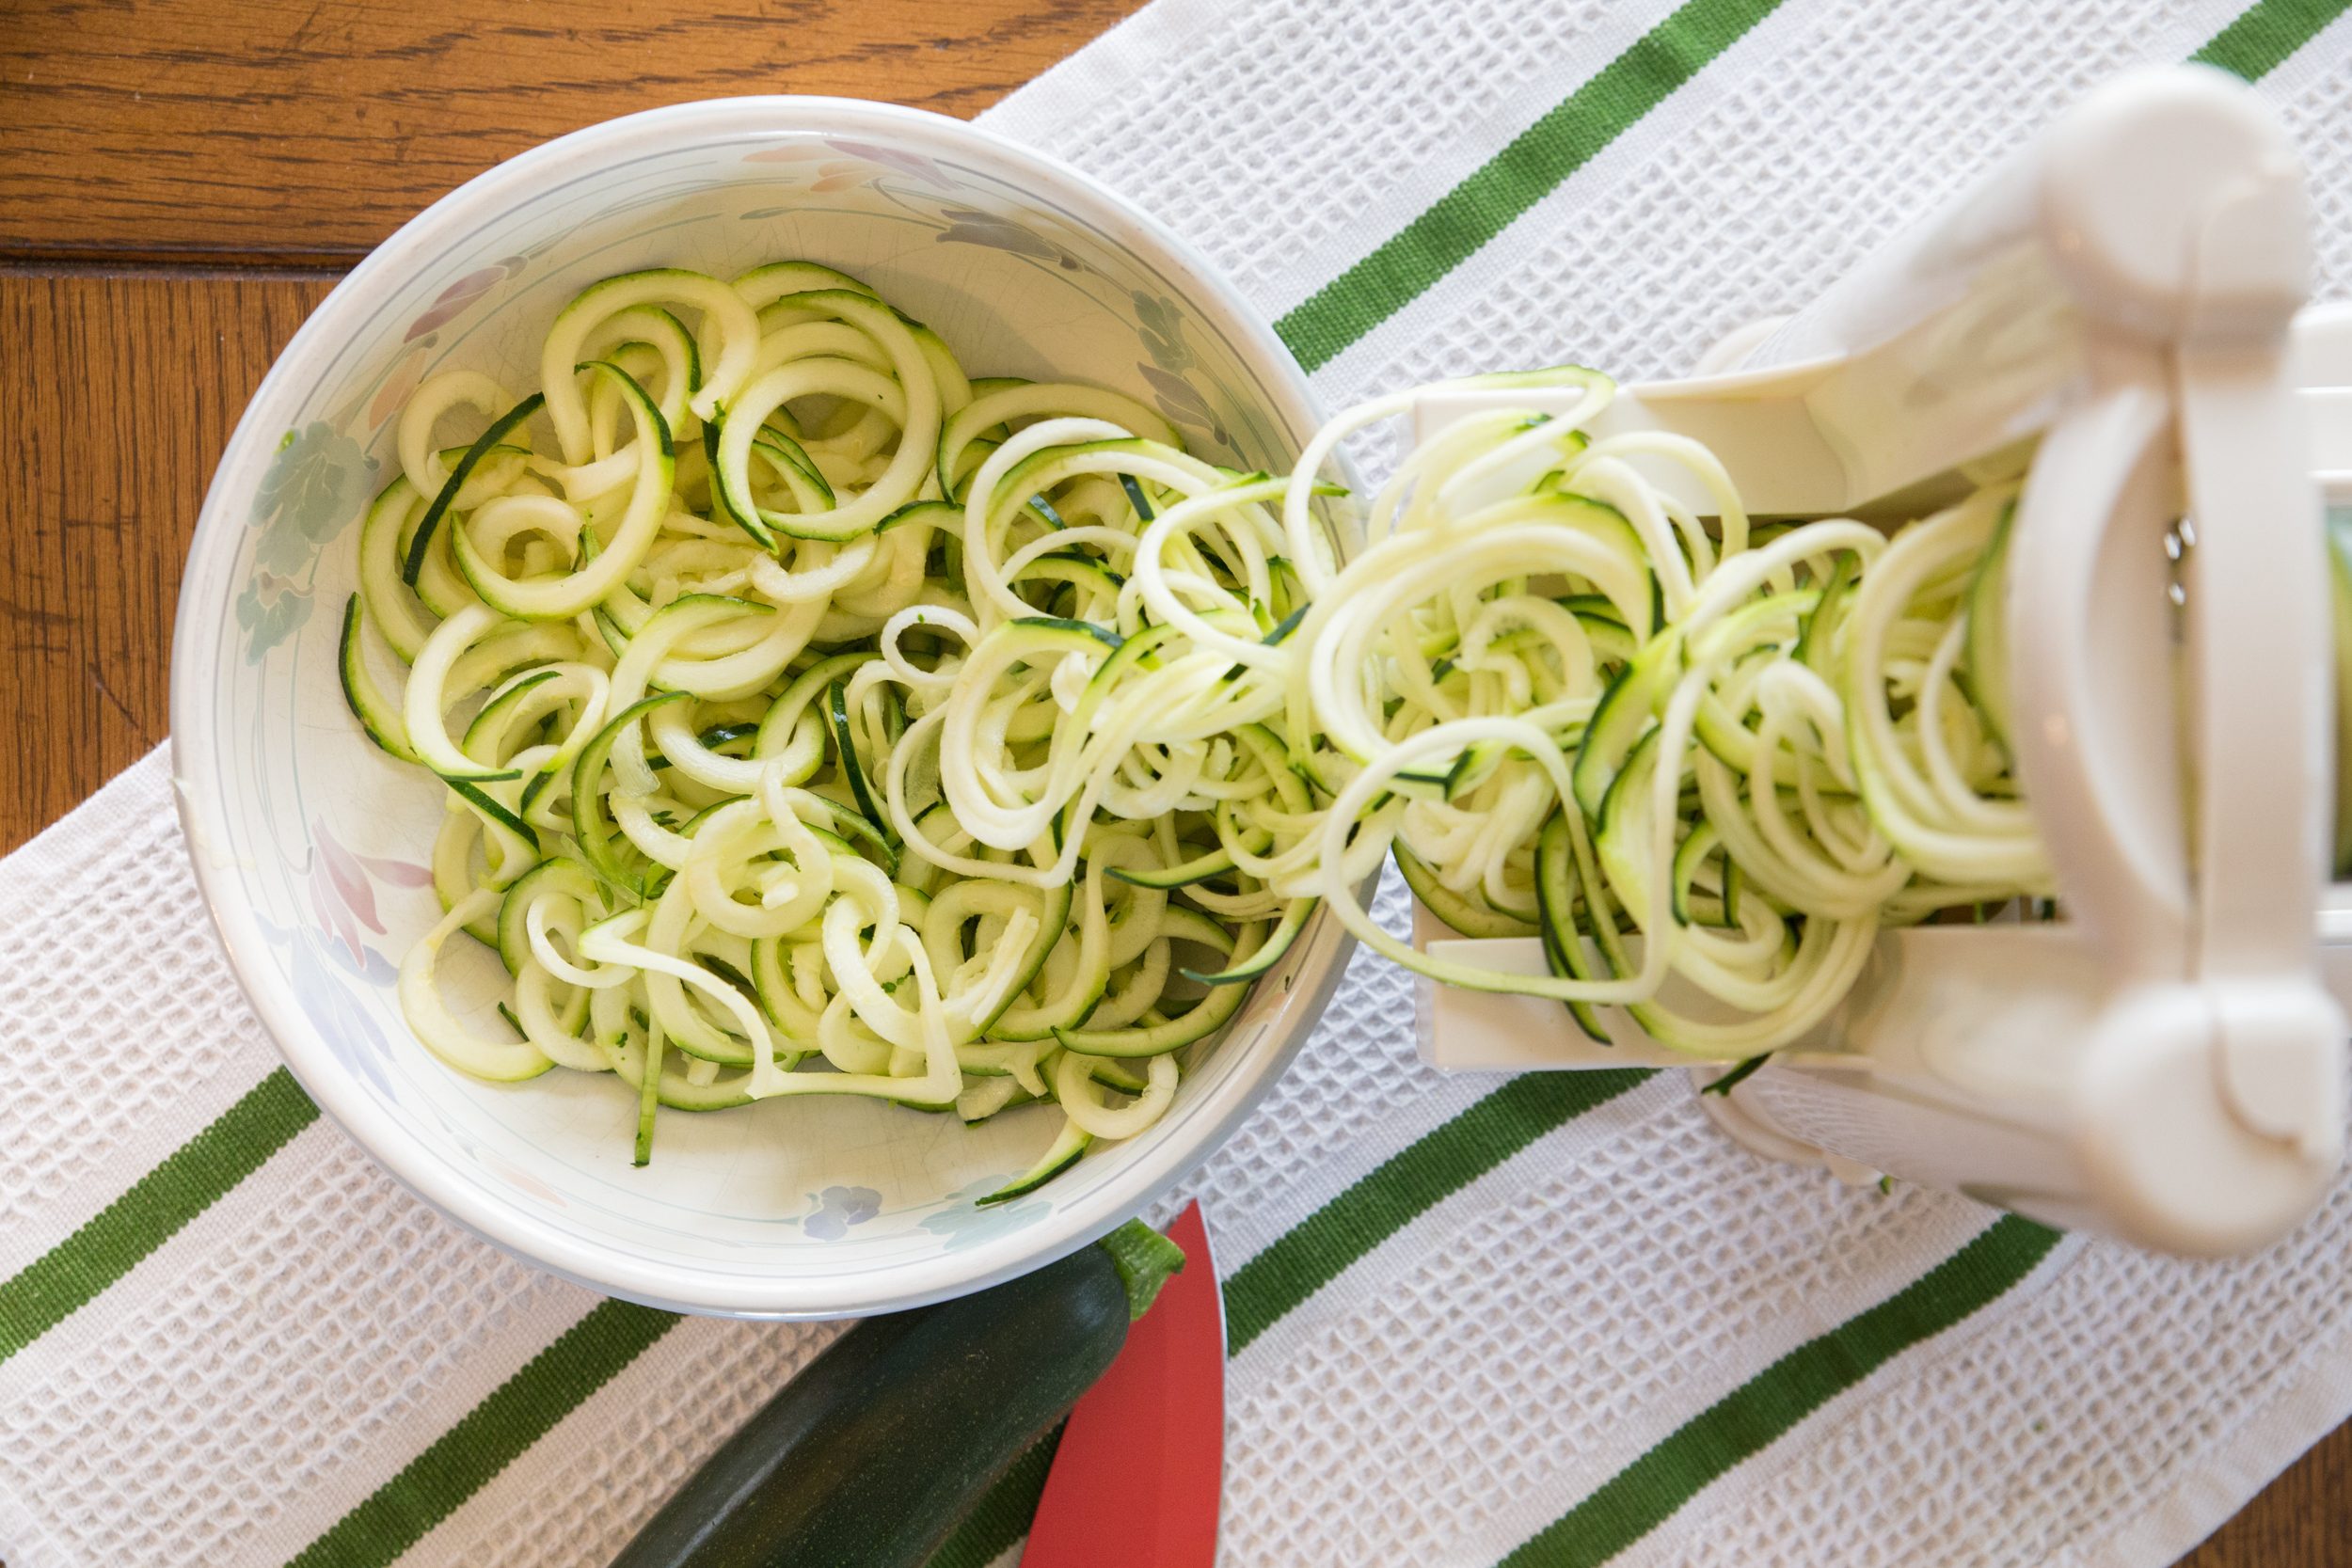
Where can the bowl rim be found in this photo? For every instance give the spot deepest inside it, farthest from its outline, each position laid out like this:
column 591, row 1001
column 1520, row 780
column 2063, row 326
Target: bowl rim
column 195, row 664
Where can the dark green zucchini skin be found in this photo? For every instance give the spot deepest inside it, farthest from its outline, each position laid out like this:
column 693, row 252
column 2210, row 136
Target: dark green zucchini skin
column 870, row 1457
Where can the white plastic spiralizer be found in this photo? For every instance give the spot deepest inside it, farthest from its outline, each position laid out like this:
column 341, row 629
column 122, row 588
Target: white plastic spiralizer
column 2125, row 300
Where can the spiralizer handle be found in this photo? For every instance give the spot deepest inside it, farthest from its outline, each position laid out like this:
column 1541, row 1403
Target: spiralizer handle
column 2175, row 211
column 2174, row 1072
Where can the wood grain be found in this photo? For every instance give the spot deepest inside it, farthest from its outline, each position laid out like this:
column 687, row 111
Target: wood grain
column 2301, row 1520
column 308, row 130
column 117, row 393
column 295, row 134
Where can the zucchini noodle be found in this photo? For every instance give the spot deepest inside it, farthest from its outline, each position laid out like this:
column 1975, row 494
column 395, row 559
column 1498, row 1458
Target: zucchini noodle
column 680, row 629
column 818, row 720
column 1705, row 765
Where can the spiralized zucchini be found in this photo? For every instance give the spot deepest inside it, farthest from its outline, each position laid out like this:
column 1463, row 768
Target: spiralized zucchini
column 684, row 627
column 1705, row 762
column 815, row 720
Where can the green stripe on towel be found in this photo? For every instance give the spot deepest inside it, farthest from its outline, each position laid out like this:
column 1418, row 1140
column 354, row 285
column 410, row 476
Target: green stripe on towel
column 190, row 1180
column 1514, row 180
column 2266, row 32
column 1646, row 1493
column 1312, row 1253
column 519, row 1412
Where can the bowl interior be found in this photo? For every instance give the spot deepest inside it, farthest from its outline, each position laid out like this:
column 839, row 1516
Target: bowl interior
column 313, row 847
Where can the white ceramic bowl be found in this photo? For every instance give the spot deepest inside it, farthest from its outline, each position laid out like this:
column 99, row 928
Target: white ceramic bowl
column 310, row 844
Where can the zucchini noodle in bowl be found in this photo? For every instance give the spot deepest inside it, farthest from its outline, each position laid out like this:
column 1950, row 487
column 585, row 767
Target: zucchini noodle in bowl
column 730, row 724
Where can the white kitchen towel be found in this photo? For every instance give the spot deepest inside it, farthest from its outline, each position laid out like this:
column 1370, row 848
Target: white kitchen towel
column 1548, row 1320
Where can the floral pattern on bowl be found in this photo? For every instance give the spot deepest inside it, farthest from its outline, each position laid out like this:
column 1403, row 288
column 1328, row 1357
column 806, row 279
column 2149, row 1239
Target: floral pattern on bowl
column 839, row 1208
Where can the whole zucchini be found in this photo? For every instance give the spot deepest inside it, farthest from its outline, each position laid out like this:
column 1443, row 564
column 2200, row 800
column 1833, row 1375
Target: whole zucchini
column 873, row 1454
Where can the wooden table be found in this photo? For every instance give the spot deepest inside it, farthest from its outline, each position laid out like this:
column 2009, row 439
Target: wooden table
column 181, row 180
